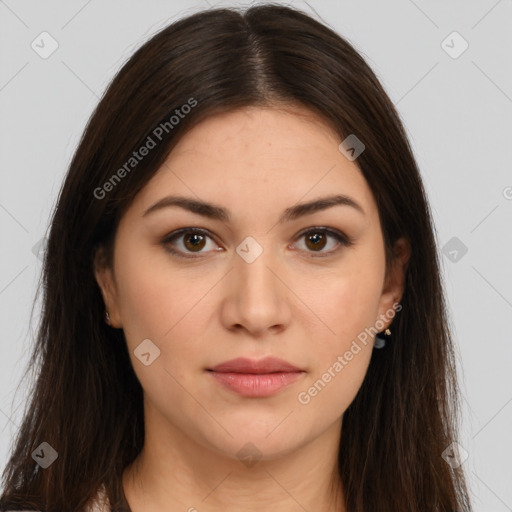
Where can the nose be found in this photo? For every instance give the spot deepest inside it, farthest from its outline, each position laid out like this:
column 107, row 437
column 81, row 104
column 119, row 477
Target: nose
column 256, row 297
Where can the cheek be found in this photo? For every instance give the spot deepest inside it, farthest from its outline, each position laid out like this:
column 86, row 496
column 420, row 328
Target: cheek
column 342, row 357
column 347, row 299
column 161, row 302
column 347, row 302
column 164, row 305
column 144, row 296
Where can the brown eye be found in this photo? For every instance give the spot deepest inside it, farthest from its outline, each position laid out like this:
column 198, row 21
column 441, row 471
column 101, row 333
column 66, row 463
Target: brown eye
column 316, row 241
column 185, row 242
column 194, row 242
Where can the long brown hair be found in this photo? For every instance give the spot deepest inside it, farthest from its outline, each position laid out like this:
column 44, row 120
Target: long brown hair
column 86, row 401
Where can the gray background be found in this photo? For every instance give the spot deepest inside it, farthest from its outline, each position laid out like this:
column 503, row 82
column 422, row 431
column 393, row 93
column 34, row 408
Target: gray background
column 458, row 114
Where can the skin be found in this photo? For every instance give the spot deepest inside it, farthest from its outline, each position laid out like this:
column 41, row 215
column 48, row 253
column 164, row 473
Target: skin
column 202, row 311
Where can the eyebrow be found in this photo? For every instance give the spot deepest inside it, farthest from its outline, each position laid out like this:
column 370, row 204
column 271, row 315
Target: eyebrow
column 216, row 212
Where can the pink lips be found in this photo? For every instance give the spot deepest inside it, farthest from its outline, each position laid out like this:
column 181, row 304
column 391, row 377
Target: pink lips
column 255, row 378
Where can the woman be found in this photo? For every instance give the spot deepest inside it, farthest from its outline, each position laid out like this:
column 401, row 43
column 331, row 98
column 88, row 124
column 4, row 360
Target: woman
column 242, row 300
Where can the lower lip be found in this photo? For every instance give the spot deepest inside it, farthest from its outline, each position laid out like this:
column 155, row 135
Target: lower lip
column 256, row 385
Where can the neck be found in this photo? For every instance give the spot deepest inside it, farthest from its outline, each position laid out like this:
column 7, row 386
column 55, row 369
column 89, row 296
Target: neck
column 174, row 473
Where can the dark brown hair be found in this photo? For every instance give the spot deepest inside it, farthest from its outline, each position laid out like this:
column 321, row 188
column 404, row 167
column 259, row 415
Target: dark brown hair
column 86, row 401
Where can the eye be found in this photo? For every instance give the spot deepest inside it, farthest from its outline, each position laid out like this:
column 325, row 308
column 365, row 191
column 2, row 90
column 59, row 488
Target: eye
column 316, row 239
column 187, row 241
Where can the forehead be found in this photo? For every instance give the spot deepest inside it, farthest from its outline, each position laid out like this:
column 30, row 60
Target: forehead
column 259, row 156
column 283, row 135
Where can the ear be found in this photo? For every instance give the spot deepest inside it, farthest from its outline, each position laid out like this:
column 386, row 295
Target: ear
column 393, row 288
column 105, row 278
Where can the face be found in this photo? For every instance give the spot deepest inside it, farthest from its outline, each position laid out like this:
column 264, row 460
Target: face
column 262, row 280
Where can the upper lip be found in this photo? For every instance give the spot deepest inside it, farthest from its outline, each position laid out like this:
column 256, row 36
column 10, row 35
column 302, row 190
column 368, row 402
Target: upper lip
column 245, row 365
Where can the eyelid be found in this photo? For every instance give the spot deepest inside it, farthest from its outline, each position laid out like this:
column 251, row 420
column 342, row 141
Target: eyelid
column 343, row 240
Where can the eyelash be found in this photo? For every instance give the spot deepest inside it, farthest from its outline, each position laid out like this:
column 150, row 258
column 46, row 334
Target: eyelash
column 342, row 239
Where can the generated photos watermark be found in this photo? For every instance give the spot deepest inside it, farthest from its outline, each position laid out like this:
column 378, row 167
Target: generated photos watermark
column 304, row 397
column 156, row 136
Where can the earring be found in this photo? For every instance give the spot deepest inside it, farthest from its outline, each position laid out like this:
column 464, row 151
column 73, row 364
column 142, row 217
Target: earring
column 380, row 340
column 107, row 317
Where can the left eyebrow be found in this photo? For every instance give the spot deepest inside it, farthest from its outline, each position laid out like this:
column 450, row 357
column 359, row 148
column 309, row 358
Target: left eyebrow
column 217, row 212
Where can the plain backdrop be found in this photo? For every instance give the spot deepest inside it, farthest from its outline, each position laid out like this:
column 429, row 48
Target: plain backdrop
column 447, row 67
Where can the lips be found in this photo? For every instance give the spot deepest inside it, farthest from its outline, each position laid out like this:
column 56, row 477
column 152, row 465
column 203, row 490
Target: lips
column 256, row 379
column 245, row 365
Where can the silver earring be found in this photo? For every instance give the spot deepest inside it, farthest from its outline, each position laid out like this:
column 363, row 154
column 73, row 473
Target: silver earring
column 107, row 317
column 380, row 341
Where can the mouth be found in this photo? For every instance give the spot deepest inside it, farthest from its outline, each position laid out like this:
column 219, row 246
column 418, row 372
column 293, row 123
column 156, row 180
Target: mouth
column 255, row 378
